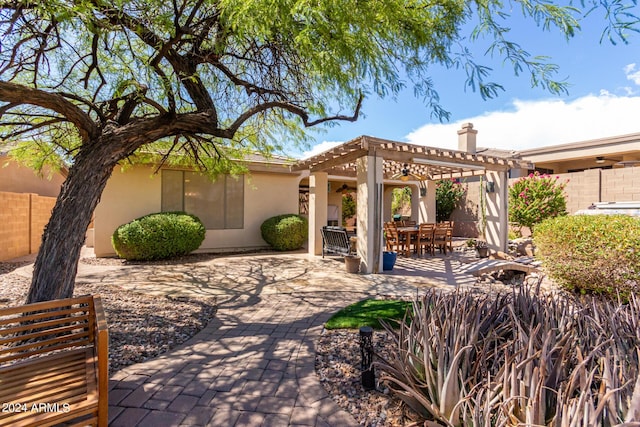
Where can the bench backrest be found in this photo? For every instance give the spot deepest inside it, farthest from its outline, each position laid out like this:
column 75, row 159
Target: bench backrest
column 43, row 328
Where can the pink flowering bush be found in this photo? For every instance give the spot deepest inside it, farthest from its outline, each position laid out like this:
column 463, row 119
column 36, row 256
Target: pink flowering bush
column 449, row 193
column 534, row 198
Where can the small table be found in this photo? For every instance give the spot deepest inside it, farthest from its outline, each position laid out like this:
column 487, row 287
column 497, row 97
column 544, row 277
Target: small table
column 408, row 232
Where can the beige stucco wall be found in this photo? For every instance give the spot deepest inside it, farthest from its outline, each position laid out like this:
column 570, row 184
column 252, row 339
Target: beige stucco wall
column 16, row 178
column 137, row 192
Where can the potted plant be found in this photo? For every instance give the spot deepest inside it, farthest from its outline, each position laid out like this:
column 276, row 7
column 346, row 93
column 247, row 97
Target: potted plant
column 482, row 248
column 388, row 260
column 388, row 257
column 352, row 263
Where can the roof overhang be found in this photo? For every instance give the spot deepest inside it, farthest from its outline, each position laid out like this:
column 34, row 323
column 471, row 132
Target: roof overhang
column 429, row 162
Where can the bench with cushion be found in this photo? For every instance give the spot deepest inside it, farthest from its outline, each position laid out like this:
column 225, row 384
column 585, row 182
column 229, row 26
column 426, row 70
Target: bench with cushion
column 335, row 240
column 54, row 363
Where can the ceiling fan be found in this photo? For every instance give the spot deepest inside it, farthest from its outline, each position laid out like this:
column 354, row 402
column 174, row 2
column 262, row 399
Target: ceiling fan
column 344, row 189
column 601, row 159
column 405, row 174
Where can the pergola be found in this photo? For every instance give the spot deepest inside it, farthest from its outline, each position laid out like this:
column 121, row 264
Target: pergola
column 374, row 162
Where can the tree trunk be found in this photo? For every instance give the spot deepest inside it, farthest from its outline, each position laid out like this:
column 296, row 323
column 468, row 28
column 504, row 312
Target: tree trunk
column 57, row 261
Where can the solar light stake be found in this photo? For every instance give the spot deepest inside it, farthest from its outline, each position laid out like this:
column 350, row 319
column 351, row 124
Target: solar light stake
column 366, row 353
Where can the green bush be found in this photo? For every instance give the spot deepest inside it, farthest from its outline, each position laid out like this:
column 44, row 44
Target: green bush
column 591, row 253
column 285, row 232
column 449, row 193
column 158, row 236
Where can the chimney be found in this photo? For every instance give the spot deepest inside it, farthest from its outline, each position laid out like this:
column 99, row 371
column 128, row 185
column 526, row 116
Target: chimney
column 467, row 138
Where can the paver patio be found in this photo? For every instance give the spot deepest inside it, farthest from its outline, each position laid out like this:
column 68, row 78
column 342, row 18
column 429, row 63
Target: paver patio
column 254, row 362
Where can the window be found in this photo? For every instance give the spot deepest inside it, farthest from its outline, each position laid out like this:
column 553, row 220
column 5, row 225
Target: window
column 219, row 204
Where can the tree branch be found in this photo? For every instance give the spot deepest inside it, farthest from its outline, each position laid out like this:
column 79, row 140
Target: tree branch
column 18, row 94
column 293, row 109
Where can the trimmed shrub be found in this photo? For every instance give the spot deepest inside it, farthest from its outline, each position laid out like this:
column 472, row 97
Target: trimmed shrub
column 158, row 236
column 285, row 232
column 591, row 253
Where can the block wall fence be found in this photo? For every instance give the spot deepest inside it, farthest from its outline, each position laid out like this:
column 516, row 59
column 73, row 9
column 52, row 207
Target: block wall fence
column 583, row 189
column 23, row 217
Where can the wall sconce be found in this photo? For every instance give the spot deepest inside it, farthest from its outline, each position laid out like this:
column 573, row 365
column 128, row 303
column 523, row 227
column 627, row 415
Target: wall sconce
column 491, row 187
column 423, row 189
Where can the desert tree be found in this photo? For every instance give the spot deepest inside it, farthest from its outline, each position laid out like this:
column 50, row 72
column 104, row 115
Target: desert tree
column 96, row 83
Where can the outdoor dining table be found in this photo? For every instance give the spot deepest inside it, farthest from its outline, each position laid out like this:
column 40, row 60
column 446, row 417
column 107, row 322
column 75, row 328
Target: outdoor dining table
column 408, row 232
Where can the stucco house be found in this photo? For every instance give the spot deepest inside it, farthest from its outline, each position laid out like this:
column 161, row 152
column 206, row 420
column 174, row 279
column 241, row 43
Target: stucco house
column 603, row 153
column 233, row 208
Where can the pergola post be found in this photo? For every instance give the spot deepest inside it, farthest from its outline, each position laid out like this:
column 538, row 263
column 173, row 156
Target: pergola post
column 369, row 212
column 427, row 204
column 497, row 212
column 318, row 189
column 415, row 203
column 387, row 199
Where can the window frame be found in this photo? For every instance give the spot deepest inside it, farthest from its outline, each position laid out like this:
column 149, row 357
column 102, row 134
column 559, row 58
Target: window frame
column 227, row 223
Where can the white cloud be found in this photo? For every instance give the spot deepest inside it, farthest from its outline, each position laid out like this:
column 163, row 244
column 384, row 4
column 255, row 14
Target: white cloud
column 319, row 148
column 533, row 124
column 632, row 74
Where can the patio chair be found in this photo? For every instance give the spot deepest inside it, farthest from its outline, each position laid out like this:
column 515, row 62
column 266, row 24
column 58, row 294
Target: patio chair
column 443, row 239
column 445, row 224
column 392, row 237
column 409, row 223
column 425, row 238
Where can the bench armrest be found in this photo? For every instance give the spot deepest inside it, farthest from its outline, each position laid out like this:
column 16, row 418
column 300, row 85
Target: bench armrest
column 102, row 351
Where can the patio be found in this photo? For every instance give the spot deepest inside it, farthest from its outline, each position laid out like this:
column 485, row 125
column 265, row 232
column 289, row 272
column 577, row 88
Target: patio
column 254, row 362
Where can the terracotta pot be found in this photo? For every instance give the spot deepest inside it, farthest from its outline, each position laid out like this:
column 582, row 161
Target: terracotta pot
column 352, row 263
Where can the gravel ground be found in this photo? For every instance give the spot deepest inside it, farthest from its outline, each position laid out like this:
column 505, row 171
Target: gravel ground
column 140, row 326
column 338, row 368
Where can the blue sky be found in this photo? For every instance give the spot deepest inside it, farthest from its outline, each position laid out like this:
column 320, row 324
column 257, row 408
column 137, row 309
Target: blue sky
column 603, row 98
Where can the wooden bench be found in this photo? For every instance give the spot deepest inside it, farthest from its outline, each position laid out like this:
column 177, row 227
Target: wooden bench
column 335, row 240
column 54, row 363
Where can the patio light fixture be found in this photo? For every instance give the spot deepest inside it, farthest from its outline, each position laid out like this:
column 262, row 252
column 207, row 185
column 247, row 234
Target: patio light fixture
column 405, row 173
column 368, row 375
column 599, row 159
column 447, row 164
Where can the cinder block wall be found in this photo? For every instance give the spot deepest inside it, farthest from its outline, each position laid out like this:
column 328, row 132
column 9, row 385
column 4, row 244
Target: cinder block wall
column 41, row 208
column 621, row 185
column 14, row 225
column 583, row 189
column 23, row 217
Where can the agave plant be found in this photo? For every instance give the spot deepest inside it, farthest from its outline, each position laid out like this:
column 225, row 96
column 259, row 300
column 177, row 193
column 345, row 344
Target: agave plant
column 518, row 359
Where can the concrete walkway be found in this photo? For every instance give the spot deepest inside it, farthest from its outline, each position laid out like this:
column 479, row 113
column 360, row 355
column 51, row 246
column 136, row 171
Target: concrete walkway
column 254, row 364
